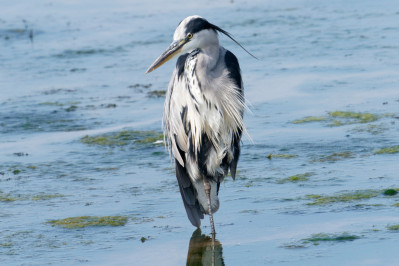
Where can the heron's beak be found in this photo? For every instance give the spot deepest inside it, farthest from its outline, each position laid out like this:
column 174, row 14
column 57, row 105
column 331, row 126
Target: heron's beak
column 173, row 49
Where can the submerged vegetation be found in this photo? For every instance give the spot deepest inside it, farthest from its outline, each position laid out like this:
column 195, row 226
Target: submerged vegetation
column 309, row 119
column 323, row 237
column 10, row 197
column 316, row 239
column 389, row 150
column 124, row 138
column 156, row 93
column 390, row 192
column 280, row 156
column 373, row 129
column 44, row 196
column 340, row 118
column 353, row 117
column 336, row 156
column 394, row 227
column 5, row 197
column 88, row 221
column 295, row 178
column 347, row 196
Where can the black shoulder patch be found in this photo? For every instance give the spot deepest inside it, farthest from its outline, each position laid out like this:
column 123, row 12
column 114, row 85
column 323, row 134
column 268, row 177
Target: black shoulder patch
column 181, row 61
column 234, row 69
column 236, row 153
column 206, row 147
column 198, row 24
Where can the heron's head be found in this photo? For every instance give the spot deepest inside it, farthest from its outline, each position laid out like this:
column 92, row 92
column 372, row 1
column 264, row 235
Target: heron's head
column 192, row 32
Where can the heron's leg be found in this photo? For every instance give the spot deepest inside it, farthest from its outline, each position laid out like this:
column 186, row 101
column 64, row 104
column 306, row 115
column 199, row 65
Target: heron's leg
column 207, row 188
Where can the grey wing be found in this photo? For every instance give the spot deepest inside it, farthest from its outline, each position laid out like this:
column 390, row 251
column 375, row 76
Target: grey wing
column 188, row 195
column 235, row 74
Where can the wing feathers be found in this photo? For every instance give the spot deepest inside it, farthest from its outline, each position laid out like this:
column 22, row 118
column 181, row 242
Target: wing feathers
column 188, row 195
column 235, row 74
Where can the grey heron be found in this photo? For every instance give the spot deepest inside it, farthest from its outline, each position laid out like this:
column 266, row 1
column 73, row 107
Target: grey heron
column 203, row 114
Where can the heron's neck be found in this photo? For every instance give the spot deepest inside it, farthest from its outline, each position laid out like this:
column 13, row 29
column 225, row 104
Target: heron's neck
column 207, row 60
column 208, row 57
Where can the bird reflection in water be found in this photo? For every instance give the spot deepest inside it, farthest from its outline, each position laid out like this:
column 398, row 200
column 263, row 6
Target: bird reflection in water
column 204, row 250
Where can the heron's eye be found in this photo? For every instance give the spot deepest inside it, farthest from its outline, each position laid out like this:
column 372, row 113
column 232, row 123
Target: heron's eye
column 189, row 36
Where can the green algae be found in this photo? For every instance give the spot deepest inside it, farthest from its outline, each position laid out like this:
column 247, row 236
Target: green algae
column 373, row 129
column 390, row 192
column 353, row 117
column 294, row 246
column 16, row 171
column 7, row 198
column 100, row 140
column 341, row 118
column 388, row 150
column 152, row 139
column 318, row 238
column 309, row 119
column 44, row 196
column 367, row 206
column 52, row 104
column 337, row 156
column 137, row 85
column 280, row 156
column 249, row 183
column 350, row 196
column 295, row 178
column 323, row 237
column 343, row 197
column 6, row 245
column 89, row 221
column 124, row 138
column 394, row 227
column 156, row 93
column 71, row 108
column 336, row 123
column 11, row 197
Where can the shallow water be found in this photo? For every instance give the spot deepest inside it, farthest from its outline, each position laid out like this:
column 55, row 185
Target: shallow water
column 74, row 71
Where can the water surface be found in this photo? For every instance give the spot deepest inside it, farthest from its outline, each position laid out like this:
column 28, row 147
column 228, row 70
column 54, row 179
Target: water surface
column 80, row 126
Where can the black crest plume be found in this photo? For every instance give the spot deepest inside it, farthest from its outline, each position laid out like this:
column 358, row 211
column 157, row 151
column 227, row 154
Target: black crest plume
column 199, row 24
column 231, row 37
